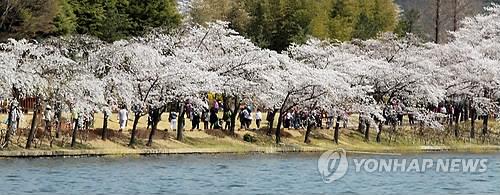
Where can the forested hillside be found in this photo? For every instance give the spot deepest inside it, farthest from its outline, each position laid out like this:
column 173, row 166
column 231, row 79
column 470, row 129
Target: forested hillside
column 107, row 19
column 273, row 24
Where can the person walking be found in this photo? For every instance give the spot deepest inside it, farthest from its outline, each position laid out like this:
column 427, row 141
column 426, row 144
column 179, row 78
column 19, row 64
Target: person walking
column 214, row 120
column 227, row 119
column 172, row 119
column 270, row 120
column 205, row 117
column 258, row 118
column 249, row 118
column 196, row 120
column 74, row 117
column 244, row 118
column 122, row 118
column 47, row 117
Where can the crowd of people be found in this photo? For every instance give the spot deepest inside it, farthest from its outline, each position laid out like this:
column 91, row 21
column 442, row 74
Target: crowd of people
column 218, row 116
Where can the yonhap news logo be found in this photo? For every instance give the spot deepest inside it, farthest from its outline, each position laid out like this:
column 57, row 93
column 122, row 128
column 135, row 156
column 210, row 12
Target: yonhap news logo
column 334, row 164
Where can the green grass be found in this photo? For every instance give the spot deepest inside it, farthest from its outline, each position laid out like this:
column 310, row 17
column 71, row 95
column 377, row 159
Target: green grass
column 406, row 139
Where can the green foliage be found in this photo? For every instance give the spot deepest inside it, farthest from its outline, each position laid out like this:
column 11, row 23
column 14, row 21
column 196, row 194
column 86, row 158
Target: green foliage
column 362, row 19
column 275, row 24
column 409, row 23
column 27, row 18
column 116, row 19
column 65, row 20
column 152, row 13
column 107, row 19
column 249, row 138
column 204, row 11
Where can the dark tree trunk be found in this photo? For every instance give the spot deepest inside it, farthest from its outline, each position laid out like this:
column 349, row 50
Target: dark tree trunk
column 278, row 129
column 104, row 133
column 336, row 132
column 232, row 127
column 152, row 134
column 75, row 131
column 380, row 126
column 437, row 21
column 457, row 130
column 308, row 132
column 180, row 123
column 455, row 15
column 280, row 119
column 360, row 124
column 270, row 127
column 467, row 110
column 485, row 124
column 155, row 117
column 58, row 124
column 10, row 126
column 31, row 134
column 134, row 130
column 367, row 132
column 472, row 124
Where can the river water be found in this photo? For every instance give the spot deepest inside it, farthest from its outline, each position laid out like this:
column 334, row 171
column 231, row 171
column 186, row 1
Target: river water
column 231, row 174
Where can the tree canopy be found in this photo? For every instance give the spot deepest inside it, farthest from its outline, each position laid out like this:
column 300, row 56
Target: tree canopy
column 109, row 20
column 275, row 24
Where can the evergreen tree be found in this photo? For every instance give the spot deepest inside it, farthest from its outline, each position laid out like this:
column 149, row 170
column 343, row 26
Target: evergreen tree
column 409, row 23
column 65, row 20
column 27, row 18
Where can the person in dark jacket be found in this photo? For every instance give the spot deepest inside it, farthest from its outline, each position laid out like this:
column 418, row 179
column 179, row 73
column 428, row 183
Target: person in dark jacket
column 196, row 120
column 214, row 120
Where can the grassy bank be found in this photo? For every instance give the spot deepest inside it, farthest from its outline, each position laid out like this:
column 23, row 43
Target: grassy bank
column 219, row 141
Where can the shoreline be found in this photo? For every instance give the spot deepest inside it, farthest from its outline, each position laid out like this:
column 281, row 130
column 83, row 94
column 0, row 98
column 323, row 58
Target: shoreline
column 265, row 150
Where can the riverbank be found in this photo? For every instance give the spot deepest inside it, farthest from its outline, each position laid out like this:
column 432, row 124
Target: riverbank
column 267, row 150
column 217, row 141
column 405, row 140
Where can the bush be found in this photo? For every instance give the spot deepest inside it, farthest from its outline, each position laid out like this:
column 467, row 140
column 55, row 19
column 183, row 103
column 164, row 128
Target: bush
column 249, row 138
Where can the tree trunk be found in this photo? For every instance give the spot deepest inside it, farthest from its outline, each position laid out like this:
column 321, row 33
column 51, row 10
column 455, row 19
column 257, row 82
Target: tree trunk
column 308, row 132
column 152, row 134
column 32, row 132
column 155, row 117
column 437, row 21
column 455, row 15
column 75, row 131
column 134, row 130
column 336, row 132
column 360, row 124
column 367, row 132
column 104, row 133
column 280, row 119
column 270, row 127
column 485, row 124
column 468, row 110
column 380, row 126
column 58, row 124
column 472, row 124
column 180, row 123
column 278, row 129
column 10, row 126
column 232, row 127
column 457, row 130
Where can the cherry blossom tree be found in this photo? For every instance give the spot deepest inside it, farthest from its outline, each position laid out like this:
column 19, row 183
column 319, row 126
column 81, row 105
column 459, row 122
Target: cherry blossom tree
column 471, row 63
column 237, row 65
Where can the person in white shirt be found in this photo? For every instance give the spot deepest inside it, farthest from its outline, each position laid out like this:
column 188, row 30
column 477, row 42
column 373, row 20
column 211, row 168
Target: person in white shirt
column 122, row 118
column 258, row 118
column 172, row 118
column 47, row 117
